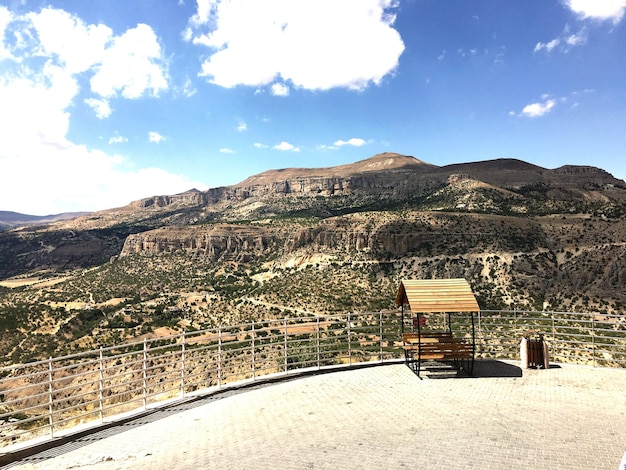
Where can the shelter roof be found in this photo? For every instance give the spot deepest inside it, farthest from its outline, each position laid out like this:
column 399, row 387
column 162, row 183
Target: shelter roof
column 437, row 295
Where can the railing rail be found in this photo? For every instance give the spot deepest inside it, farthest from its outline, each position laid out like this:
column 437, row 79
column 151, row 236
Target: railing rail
column 44, row 397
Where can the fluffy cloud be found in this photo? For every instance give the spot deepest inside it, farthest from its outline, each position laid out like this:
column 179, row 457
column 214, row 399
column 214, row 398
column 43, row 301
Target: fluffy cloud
column 355, row 142
column 538, row 109
column 280, row 89
column 66, row 38
column 5, row 18
column 37, row 158
column 102, row 108
column 155, row 137
column 286, row 146
column 314, row 44
column 132, row 66
column 242, row 126
column 226, row 150
column 600, row 10
column 73, row 177
column 45, row 56
column 118, row 139
column 603, row 10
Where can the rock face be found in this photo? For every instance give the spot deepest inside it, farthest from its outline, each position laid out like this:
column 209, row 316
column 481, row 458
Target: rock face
column 399, row 178
column 208, row 223
column 212, row 243
column 382, row 182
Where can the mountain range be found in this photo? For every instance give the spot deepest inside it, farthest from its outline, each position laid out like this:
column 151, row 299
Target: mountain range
column 10, row 219
column 317, row 240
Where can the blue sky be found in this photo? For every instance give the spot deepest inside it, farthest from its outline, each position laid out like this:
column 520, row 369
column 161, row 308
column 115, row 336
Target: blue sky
column 106, row 101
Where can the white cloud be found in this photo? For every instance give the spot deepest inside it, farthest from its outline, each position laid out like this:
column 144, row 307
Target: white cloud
column 188, row 89
column 202, row 13
column 131, row 63
column 49, row 52
column 538, row 109
column 286, row 146
column 548, row 46
column 102, row 108
column 280, row 89
column 33, row 110
column 242, row 126
column 132, row 66
column 326, row 147
column 226, row 150
column 5, row 18
column 314, row 44
column 603, row 10
column 355, row 142
column 259, row 145
column 565, row 41
column 118, row 139
column 52, row 174
column 63, row 36
column 155, row 137
column 577, row 39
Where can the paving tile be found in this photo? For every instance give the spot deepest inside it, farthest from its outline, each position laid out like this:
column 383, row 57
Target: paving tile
column 378, row 417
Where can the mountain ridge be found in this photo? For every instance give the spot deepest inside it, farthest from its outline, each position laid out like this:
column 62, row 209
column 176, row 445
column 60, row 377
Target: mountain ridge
column 322, row 241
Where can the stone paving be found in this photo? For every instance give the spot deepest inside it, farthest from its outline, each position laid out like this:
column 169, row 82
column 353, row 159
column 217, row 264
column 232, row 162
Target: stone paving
column 567, row 417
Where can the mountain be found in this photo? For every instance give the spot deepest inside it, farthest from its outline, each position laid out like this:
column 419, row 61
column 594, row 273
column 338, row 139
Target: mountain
column 383, row 182
column 10, row 219
column 317, row 240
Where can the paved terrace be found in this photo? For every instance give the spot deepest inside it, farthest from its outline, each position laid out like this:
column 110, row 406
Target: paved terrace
column 567, row 417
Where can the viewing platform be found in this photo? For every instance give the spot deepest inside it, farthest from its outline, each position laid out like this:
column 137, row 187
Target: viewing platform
column 374, row 416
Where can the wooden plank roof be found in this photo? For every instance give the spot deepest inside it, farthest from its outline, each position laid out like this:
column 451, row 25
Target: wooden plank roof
column 437, row 295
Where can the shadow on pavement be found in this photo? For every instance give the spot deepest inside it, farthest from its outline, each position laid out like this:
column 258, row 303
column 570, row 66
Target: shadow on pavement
column 483, row 368
column 493, row 368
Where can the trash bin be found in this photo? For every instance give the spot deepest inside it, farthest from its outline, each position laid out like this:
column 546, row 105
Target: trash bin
column 534, row 351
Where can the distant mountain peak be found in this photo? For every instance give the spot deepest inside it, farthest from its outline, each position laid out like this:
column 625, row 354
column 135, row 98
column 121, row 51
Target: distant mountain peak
column 386, row 161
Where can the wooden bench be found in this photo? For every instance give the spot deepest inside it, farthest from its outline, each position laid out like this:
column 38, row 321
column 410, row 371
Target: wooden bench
column 436, row 346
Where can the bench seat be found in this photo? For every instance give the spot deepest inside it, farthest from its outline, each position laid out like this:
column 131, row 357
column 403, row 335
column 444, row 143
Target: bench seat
column 436, row 346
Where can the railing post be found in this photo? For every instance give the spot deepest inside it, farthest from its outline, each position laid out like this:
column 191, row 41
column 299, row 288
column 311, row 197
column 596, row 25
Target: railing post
column 380, row 334
column 50, row 398
column 182, row 366
column 319, row 364
column 285, row 341
column 349, row 341
column 101, row 386
column 145, row 375
column 219, row 357
column 252, row 346
column 593, row 338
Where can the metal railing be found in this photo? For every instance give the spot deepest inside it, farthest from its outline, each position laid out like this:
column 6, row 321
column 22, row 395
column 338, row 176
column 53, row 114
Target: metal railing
column 45, row 398
column 595, row 339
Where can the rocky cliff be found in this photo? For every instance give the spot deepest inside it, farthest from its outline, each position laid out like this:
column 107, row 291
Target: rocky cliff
column 214, row 242
column 385, row 182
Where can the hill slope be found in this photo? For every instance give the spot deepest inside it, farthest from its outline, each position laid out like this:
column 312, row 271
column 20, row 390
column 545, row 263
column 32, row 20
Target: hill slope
column 318, row 241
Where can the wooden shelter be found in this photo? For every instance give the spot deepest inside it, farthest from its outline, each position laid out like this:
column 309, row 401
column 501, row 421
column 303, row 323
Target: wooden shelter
column 427, row 296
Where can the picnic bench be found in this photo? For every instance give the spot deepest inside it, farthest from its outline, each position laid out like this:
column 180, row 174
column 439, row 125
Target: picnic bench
column 440, row 346
column 437, row 296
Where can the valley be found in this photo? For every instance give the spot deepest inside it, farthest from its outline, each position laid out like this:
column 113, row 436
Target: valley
column 314, row 241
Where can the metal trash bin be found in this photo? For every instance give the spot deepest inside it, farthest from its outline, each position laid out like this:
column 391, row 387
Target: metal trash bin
column 534, row 351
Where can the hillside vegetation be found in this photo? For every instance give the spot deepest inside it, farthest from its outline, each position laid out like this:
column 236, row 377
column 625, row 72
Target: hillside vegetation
column 304, row 242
